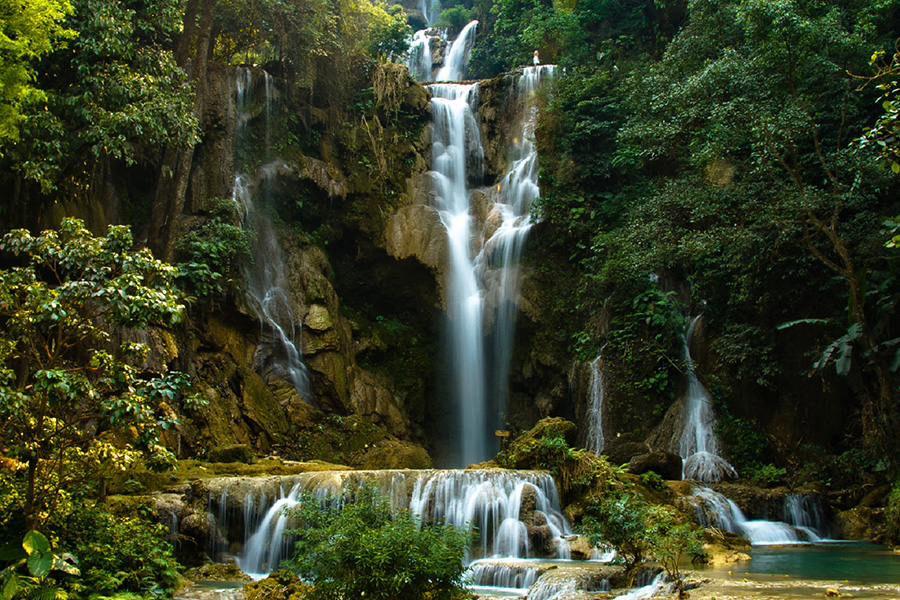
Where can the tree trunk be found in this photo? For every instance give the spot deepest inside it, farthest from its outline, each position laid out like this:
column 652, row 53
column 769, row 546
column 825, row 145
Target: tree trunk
column 172, row 184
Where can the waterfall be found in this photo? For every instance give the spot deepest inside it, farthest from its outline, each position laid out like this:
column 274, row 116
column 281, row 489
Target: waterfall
column 805, row 512
column 482, row 288
column 419, row 61
column 715, row 510
column 489, row 501
column 267, row 288
column 430, row 10
column 595, row 440
column 502, row 574
column 699, row 445
column 454, row 136
column 457, row 60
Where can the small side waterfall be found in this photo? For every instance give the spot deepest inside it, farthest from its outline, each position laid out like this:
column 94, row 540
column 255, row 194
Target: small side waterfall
column 510, row 511
column 699, row 444
column 419, row 62
column 715, row 510
column 266, row 279
column 595, row 439
column 499, row 574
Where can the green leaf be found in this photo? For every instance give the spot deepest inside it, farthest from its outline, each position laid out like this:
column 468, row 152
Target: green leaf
column 11, row 587
column 36, row 542
column 39, row 564
column 12, row 551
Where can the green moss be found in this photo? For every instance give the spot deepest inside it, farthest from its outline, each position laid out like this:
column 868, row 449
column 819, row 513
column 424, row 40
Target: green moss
column 234, row 453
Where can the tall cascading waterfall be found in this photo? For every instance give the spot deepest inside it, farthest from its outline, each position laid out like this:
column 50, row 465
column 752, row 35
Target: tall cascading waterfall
column 455, row 135
column 267, row 288
column 510, row 219
column 698, row 444
column 481, row 288
column 489, row 501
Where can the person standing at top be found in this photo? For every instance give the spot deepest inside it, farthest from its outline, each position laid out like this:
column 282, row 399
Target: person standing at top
column 537, row 59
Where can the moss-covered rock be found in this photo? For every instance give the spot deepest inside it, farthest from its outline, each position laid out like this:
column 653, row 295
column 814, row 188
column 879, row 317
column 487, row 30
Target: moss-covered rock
column 217, row 572
column 232, row 453
column 394, row 454
column 280, row 585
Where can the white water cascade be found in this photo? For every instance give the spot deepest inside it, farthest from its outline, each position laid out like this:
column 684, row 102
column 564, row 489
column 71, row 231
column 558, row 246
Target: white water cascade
column 595, row 439
column 456, row 62
column 482, row 284
column 698, row 444
column 266, row 280
column 715, row 510
column 489, row 501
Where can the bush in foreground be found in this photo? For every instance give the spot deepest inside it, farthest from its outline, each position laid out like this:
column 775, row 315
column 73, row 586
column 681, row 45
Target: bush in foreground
column 354, row 545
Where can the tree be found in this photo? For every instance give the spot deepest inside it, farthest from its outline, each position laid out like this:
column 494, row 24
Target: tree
column 28, row 30
column 113, row 94
column 73, row 403
column 354, row 546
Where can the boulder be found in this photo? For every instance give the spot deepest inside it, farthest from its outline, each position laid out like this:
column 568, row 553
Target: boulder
column 217, row 572
column 665, row 464
column 394, row 454
column 233, row 453
column 621, row 450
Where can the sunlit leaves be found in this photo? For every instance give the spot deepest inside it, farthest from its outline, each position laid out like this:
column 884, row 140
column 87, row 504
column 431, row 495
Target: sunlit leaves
column 28, row 30
column 115, row 92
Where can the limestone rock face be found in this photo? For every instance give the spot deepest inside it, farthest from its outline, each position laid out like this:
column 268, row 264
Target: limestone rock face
column 416, row 231
column 665, row 464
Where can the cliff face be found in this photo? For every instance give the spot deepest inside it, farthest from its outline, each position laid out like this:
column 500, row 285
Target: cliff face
column 330, row 212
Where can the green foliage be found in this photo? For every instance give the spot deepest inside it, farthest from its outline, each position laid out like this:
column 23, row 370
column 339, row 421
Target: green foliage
column 745, row 442
column 215, row 251
column 892, row 515
column 27, row 574
column 115, row 93
column 118, row 554
column 637, row 529
column 653, row 481
column 30, row 30
column 644, row 351
column 354, row 546
column 545, row 447
column 620, row 521
column 59, row 370
column 454, row 18
column 390, row 37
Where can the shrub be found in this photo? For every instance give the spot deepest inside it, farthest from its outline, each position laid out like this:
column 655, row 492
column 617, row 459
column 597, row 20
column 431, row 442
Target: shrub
column 352, row 546
column 637, row 529
column 214, row 251
column 892, row 515
column 117, row 554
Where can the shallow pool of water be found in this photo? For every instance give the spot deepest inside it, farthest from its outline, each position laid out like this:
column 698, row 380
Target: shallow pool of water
column 832, row 561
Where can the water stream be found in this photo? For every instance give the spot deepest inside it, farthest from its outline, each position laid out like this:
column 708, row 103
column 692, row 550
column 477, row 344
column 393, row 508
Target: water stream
column 267, row 288
column 698, row 444
column 596, row 441
column 804, row 520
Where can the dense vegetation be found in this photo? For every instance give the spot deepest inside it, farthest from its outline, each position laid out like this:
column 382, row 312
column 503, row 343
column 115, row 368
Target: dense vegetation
column 731, row 158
